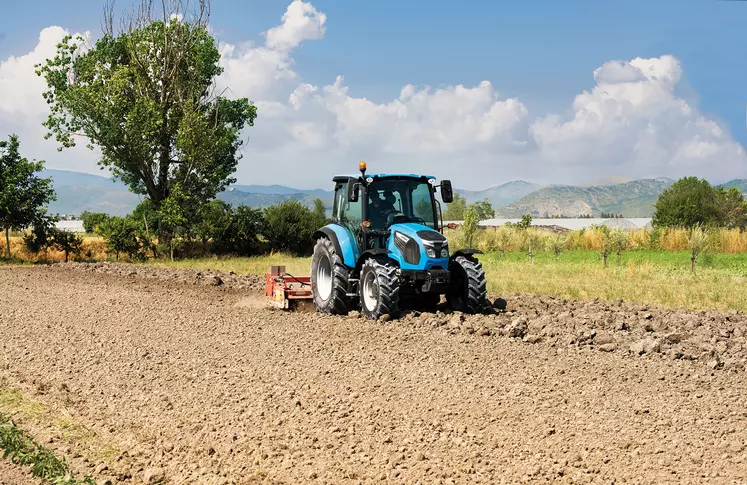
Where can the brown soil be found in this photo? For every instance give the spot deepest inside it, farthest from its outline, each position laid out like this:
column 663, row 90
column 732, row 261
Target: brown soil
column 198, row 383
column 14, row 475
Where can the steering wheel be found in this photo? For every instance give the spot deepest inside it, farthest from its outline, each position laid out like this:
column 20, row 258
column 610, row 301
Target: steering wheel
column 400, row 218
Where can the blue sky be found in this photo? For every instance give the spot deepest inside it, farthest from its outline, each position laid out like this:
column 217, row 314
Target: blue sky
column 542, row 52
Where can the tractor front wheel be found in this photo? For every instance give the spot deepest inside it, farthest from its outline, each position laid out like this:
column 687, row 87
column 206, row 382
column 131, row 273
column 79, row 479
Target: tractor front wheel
column 329, row 279
column 468, row 291
column 379, row 288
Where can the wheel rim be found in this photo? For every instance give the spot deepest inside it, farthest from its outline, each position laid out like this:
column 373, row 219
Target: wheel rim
column 324, row 278
column 370, row 291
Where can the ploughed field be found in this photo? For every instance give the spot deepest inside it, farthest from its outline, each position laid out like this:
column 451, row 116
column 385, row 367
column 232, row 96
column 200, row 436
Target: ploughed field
column 139, row 374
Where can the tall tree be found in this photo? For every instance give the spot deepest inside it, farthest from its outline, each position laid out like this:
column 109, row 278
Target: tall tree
column 484, row 209
column 23, row 195
column 689, row 202
column 145, row 95
column 455, row 211
column 732, row 207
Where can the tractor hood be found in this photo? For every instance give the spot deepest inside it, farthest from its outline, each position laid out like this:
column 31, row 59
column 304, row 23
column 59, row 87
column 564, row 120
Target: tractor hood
column 418, row 247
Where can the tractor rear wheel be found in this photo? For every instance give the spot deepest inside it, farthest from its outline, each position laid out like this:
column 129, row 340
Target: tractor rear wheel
column 329, row 279
column 468, row 292
column 379, row 288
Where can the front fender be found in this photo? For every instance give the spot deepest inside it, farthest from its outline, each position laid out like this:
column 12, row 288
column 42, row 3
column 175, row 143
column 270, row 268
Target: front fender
column 368, row 254
column 343, row 241
column 468, row 253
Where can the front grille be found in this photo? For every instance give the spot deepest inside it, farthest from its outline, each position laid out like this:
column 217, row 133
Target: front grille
column 431, row 236
column 410, row 250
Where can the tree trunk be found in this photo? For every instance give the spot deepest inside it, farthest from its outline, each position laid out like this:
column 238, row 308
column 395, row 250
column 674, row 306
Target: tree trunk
column 147, row 235
column 67, row 255
column 692, row 263
column 531, row 256
column 604, row 256
column 7, row 242
column 618, row 258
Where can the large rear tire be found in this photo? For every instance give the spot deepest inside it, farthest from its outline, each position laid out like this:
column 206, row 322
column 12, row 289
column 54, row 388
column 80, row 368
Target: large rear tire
column 379, row 288
column 329, row 279
column 468, row 293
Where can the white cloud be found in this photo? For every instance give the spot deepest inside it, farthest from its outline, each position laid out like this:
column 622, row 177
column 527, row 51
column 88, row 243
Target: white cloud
column 23, row 109
column 301, row 22
column 262, row 72
column 631, row 123
column 20, row 87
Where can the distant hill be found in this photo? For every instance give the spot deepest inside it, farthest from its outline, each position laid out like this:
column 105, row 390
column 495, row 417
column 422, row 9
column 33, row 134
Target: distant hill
column 78, row 192
column 741, row 184
column 632, row 199
column 500, row 195
column 69, row 178
column 235, row 196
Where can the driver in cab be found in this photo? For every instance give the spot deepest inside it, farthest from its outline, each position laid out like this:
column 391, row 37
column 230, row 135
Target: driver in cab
column 380, row 208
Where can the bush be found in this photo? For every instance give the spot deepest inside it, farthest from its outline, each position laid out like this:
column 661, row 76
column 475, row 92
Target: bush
column 39, row 238
column 289, row 226
column 67, row 242
column 692, row 202
column 91, row 220
column 214, row 222
column 121, row 236
column 246, row 228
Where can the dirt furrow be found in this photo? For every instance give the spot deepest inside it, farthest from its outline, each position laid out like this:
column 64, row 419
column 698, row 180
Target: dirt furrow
column 200, row 384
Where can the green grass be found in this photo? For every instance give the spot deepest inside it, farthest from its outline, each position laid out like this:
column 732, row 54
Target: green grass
column 16, row 403
column 655, row 277
column 658, row 277
column 21, row 449
column 252, row 265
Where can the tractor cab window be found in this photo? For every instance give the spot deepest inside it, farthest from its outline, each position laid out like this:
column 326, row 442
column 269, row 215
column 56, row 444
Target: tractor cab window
column 393, row 201
column 348, row 214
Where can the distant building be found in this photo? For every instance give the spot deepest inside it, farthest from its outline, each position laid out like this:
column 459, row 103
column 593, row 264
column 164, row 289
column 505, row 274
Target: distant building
column 70, row 225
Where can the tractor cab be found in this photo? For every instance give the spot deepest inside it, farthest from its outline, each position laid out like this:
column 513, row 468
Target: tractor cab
column 370, row 208
column 386, row 245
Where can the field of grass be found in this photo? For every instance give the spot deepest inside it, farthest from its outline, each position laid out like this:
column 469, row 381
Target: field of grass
column 656, row 277
column 252, row 265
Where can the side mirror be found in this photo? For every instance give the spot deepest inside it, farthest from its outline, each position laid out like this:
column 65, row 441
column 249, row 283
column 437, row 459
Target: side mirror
column 447, row 193
column 353, row 191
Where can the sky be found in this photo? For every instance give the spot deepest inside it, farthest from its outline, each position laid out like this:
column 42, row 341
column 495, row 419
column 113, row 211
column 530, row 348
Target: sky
column 477, row 92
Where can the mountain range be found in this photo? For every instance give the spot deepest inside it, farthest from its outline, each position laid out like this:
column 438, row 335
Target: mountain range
column 77, row 192
column 631, row 199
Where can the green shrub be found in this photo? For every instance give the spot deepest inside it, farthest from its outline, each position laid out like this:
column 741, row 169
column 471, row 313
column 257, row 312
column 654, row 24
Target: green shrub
column 91, row 220
column 289, row 226
column 121, row 237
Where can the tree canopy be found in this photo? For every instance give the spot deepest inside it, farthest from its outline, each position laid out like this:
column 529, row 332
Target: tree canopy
column 456, row 209
column 23, row 195
column 692, row 202
column 146, row 97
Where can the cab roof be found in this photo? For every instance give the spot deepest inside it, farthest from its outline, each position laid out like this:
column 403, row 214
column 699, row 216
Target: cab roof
column 340, row 178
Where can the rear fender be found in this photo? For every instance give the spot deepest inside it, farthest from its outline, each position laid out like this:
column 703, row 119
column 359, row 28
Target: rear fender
column 343, row 241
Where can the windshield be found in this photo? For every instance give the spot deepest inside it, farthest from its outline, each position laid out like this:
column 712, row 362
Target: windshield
column 392, row 201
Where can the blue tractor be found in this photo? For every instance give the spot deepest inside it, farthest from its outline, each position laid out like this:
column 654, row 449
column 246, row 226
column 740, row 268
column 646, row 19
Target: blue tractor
column 385, row 250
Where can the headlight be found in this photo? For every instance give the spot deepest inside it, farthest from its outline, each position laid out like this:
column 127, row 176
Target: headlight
column 445, row 253
column 430, row 252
